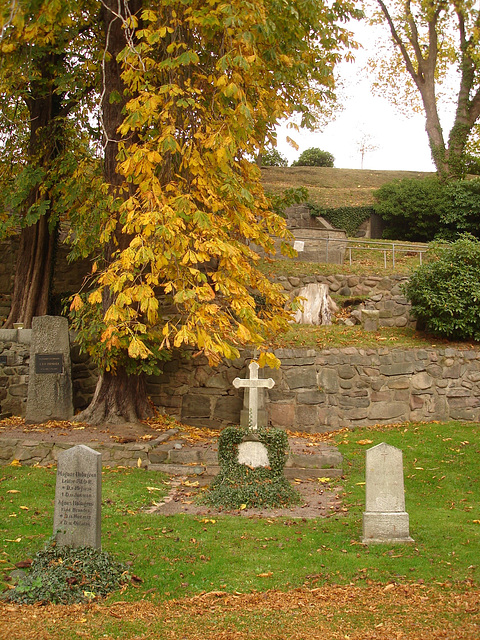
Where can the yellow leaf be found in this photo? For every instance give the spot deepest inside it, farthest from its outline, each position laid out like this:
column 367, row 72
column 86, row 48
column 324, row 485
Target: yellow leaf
column 13, row 491
column 95, row 297
column 243, row 506
column 292, row 143
column 77, row 303
column 364, row 441
column 139, row 462
column 16, row 540
column 323, row 480
column 268, row 574
column 24, row 508
column 15, row 463
column 476, row 521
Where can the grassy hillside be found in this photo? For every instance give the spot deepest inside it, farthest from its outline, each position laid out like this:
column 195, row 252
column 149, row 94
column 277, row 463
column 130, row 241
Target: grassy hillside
column 333, row 187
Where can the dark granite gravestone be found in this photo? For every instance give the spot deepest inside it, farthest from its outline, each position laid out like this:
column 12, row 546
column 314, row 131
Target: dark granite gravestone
column 50, row 383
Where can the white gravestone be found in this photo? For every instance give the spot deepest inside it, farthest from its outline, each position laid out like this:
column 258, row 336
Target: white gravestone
column 251, row 452
column 78, row 495
column 254, row 385
column 385, row 518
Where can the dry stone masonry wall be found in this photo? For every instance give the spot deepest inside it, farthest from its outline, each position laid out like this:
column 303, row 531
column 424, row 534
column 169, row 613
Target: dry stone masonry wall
column 382, row 293
column 314, row 390
column 14, row 364
column 317, row 391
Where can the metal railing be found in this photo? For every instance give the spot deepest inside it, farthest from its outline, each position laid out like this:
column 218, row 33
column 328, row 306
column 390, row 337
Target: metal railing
column 395, row 248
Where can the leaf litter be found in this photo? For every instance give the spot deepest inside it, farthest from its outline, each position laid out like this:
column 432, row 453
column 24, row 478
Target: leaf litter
column 331, row 612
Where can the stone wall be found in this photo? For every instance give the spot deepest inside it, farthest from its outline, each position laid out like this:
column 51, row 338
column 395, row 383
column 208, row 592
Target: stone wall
column 14, row 362
column 380, row 292
column 314, row 390
column 318, row 391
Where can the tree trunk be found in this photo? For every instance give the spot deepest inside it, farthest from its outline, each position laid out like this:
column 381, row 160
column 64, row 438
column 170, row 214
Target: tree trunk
column 118, row 398
column 33, row 274
column 36, row 252
column 317, row 305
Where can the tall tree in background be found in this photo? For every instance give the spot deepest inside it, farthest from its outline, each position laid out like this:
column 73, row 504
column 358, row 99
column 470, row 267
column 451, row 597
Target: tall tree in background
column 204, row 84
column 436, row 42
column 45, row 73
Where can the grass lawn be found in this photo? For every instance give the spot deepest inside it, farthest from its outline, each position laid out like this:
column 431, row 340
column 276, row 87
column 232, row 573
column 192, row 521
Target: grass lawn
column 244, row 574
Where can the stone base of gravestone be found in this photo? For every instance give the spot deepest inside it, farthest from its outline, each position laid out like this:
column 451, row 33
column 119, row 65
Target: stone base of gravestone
column 49, row 382
column 386, row 527
column 78, row 495
column 253, row 453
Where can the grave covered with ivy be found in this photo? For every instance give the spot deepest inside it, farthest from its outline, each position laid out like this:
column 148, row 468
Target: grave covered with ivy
column 241, row 486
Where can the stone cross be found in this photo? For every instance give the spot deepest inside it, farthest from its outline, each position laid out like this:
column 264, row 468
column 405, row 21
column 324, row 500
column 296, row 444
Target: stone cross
column 78, row 491
column 253, row 384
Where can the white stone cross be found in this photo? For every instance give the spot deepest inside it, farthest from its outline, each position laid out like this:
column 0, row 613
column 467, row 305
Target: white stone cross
column 253, row 384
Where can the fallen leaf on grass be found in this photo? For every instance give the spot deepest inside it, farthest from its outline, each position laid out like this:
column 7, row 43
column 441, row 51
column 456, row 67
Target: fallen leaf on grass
column 268, row 574
column 13, row 491
column 323, row 480
column 366, row 441
column 15, row 463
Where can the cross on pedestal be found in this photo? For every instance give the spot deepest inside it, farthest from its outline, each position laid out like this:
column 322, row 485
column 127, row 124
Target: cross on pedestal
column 253, row 384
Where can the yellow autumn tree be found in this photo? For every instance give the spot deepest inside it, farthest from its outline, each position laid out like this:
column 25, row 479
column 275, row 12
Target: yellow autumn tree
column 204, row 84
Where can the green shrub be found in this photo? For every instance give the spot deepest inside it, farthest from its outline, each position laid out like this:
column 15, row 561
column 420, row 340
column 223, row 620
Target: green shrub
column 445, row 292
column 314, row 157
column 348, row 218
column 472, row 165
column 463, row 214
column 412, row 209
column 239, row 486
column 273, row 158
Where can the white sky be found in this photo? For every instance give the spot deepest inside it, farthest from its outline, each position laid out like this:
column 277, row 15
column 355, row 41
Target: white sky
column 402, row 142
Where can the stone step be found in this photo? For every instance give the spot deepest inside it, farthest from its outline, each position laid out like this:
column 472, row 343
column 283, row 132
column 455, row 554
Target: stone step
column 210, row 471
column 328, row 458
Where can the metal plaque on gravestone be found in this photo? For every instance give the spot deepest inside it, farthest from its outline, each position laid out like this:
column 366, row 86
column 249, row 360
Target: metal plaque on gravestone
column 49, row 363
column 385, row 518
column 50, row 394
column 3, row 360
column 78, row 495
